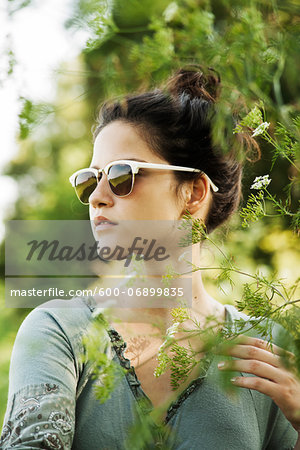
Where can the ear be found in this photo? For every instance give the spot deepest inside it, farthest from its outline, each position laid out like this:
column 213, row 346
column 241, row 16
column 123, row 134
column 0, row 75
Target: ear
column 198, row 195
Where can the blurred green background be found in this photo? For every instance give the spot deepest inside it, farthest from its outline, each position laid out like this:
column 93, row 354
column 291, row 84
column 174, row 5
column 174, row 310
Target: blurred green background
column 134, row 45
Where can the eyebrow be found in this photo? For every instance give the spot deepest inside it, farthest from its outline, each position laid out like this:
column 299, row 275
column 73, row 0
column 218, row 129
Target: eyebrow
column 129, row 159
column 135, row 159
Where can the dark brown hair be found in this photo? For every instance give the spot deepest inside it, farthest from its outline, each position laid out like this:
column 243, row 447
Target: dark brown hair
column 176, row 122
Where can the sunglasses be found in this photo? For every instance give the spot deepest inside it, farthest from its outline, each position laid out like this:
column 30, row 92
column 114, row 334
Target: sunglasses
column 120, row 176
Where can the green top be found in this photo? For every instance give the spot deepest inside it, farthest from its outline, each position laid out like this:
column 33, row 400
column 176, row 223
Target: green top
column 52, row 405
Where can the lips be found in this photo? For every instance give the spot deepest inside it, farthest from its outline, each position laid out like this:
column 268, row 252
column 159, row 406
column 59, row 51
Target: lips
column 101, row 220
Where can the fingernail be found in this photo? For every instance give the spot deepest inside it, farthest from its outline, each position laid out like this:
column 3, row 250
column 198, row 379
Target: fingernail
column 221, row 365
column 233, row 380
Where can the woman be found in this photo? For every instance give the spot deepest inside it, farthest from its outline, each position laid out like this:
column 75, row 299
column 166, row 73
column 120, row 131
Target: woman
column 52, row 402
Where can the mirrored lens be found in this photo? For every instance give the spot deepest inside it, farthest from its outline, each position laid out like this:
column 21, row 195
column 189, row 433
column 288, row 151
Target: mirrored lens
column 85, row 184
column 120, row 179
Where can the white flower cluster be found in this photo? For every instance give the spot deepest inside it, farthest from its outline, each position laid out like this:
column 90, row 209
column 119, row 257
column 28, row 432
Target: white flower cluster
column 261, row 182
column 170, row 12
column 261, row 129
column 172, row 329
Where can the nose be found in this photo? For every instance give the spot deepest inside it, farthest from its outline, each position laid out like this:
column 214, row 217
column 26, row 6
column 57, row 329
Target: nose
column 102, row 195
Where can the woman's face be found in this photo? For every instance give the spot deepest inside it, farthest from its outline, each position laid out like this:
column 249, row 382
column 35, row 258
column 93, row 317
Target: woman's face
column 153, row 196
column 148, row 213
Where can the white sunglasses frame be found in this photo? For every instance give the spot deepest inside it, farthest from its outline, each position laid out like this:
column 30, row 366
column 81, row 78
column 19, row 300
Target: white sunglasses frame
column 135, row 166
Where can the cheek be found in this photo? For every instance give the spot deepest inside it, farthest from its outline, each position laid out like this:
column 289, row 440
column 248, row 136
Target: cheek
column 162, row 204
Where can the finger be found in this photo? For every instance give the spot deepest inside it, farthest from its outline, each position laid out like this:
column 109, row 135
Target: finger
column 254, row 367
column 265, row 345
column 285, row 396
column 255, row 353
column 262, row 385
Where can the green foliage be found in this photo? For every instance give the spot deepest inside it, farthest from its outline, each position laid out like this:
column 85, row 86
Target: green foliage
column 92, row 15
column 254, row 209
column 226, row 268
column 196, row 230
column 169, row 275
column 254, row 301
column 180, row 314
column 181, row 363
column 287, row 145
column 107, row 372
column 157, row 47
column 8, row 62
column 266, row 300
column 133, row 45
column 148, row 431
column 31, row 116
column 252, row 120
column 179, row 359
column 296, row 221
column 15, row 5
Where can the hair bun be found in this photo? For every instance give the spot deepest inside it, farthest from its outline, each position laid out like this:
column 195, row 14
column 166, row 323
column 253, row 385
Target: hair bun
column 196, row 82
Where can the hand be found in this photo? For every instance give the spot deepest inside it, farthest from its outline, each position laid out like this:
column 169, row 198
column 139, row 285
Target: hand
column 271, row 377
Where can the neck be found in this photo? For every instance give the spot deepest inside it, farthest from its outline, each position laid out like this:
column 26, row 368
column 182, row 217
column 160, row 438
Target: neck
column 201, row 304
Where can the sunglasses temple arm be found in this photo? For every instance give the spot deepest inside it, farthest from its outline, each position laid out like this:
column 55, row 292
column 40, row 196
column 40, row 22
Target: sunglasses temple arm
column 187, row 169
